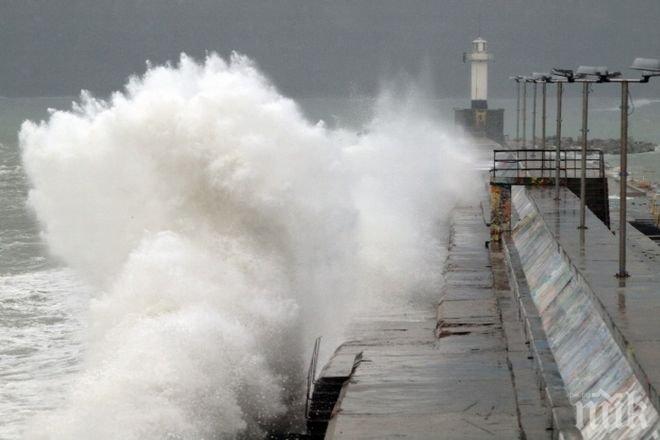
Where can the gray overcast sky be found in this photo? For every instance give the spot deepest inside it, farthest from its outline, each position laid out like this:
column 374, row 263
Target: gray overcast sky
column 315, row 47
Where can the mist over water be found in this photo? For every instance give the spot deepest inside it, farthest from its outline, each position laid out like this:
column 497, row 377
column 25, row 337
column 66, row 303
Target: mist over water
column 223, row 232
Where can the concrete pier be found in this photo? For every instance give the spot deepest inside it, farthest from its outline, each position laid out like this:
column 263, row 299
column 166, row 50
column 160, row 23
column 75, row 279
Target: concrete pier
column 531, row 337
column 603, row 332
column 453, row 367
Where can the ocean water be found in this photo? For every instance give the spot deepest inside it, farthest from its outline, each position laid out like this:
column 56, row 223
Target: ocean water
column 170, row 254
column 42, row 302
column 641, row 167
column 179, row 233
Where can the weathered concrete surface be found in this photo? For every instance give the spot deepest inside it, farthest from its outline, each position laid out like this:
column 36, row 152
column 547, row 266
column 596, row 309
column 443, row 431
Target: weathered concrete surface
column 562, row 413
column 602, row 332
column 456, row 371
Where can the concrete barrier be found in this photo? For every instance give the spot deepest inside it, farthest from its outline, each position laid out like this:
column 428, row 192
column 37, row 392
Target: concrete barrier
column 607, row 398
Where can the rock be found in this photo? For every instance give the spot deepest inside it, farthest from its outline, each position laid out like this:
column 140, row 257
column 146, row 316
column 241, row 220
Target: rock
column 608, row 146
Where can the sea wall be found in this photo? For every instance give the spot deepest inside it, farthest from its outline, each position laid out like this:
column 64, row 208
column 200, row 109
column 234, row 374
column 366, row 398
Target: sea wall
column 607, row 396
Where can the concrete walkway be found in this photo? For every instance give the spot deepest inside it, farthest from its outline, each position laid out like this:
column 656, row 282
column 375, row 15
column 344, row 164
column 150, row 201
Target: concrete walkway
column 457, row 370
column 630, row 307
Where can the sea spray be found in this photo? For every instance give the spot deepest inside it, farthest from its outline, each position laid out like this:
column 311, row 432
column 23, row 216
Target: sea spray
column 634, row 103
column 224, row 232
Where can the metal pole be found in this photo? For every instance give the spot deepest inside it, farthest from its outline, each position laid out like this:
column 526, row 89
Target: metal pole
column 623, row 181
column 524, row 115
column 517, row 112
column 560, row 88
column 583, row 173
column 534, row 119
column 543, row 111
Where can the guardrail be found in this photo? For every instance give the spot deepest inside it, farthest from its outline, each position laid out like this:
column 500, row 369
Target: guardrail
column 543, row 163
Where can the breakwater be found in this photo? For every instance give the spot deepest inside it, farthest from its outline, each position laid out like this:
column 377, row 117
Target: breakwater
column 607, row 383
column 579, row 345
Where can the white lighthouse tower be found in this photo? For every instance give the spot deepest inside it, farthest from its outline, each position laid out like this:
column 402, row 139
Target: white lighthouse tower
column 479, row 120
column 479, row 58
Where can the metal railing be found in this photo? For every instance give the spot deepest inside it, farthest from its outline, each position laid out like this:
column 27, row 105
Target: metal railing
column 543, row 163
column 311, row 375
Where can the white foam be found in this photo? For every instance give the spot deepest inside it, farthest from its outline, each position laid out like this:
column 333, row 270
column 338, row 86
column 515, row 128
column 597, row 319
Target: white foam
column 42, row 324
column 636, row 103
column 225, row 233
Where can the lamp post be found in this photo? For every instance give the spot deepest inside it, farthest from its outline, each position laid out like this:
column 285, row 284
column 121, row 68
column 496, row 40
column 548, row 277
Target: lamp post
column 623, row 181
column 534, row 117
column 587, row 75
column 544, row 79
column 543, row 112
column 517, row 111
column 564, row 76
column 524, row 114
column 583, row 162
column 517, row 79
column 560, row 89
column 650, row 67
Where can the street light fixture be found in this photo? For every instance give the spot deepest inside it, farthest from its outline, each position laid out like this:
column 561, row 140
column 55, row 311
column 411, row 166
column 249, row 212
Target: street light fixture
column 601, row 73
column 583, row 71
column 567, row 74
column 649, row 66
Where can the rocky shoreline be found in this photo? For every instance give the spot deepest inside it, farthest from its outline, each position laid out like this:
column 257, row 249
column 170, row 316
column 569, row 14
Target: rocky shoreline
column 608, row 146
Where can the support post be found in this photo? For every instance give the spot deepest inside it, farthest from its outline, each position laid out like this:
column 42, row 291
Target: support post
column 517, row 113
column 560, row 89
column 543, row 111
column 583, row 167
column 524, row 115
column 534, row 118
column 623, row 181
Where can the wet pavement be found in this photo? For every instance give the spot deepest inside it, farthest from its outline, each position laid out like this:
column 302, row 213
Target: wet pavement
column 639, row 203
column 456, row 367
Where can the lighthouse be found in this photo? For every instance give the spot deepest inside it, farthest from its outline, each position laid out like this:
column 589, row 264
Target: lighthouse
column 479, row 58
column 479, row 120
